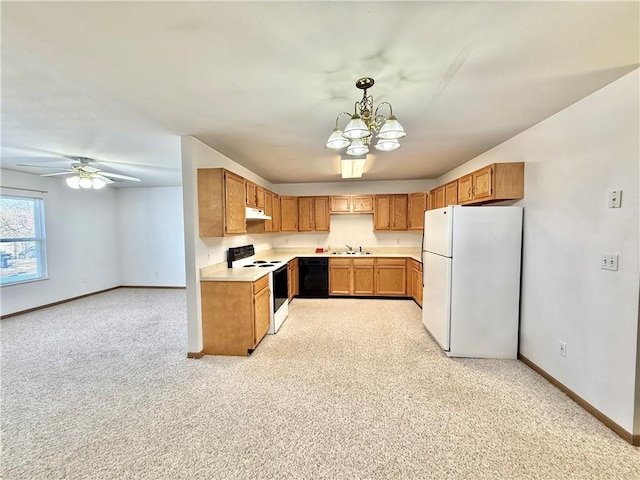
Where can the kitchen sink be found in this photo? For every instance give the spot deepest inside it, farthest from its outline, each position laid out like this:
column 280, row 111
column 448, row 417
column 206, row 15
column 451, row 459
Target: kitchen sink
column 350, row 253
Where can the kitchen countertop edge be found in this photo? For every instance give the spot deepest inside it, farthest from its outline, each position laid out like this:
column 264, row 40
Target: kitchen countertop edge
column 220, row 271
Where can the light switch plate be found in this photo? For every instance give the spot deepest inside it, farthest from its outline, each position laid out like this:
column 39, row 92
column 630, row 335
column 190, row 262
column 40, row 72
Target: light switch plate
column 615, row 198
column 609, row 261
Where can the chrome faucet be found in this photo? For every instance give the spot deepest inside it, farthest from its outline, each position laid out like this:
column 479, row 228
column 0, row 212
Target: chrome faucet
column 360, row 248
column 349, row 248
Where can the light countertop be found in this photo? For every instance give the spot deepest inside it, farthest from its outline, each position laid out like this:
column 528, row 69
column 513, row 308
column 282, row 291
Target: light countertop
column 220, row 271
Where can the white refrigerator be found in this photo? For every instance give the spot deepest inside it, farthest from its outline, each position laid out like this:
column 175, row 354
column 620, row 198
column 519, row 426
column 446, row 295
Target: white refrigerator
column 471, row 276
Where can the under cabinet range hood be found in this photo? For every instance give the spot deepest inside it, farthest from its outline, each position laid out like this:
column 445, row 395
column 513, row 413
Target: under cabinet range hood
column 256, row 214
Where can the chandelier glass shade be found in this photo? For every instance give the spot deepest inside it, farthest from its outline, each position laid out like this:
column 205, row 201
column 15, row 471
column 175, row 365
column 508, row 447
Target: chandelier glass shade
column 365, row 124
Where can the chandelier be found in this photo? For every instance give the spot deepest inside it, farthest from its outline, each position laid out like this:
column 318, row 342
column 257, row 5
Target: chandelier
column 366, row 123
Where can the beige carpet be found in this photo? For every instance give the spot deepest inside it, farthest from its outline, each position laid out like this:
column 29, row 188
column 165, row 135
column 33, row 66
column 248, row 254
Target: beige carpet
column 100, row 388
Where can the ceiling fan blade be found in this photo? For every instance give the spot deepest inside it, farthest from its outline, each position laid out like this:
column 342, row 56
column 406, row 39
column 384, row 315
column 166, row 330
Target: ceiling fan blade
column 37, row 166
column 104, row 179
column 119, row 177
column 68, row 172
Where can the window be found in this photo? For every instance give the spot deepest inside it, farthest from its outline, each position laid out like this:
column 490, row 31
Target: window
column 22, row 241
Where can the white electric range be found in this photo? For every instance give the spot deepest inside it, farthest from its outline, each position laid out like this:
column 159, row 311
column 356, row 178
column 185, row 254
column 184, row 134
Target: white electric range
column 244, row 257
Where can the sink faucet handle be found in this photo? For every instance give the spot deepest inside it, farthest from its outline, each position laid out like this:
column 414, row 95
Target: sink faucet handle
column 360, row 248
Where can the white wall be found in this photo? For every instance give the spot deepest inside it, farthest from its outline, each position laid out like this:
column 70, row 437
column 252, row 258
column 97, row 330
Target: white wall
column 202, row 252
column 81, row 243
column 573, row 160
column 151, row 236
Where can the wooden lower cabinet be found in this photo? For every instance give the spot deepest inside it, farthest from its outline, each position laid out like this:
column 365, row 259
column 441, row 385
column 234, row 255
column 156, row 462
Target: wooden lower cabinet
column 368, row 277
column 340, row 273
column 235, row 316
column 351, row 276
column 391, row 277
column 414, row 281
column 294, row 288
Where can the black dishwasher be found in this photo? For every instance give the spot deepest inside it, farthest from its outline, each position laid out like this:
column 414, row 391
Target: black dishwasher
column 314, row 277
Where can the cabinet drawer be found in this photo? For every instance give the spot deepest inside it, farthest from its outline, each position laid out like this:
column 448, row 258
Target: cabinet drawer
column 260, row 284
column 362, row 262
column 340, row 261
column 402, row 262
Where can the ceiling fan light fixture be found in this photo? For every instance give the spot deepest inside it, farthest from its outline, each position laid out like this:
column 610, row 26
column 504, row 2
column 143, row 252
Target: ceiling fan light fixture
column 85, row 182
column 74, row 182
column 98, row 184
column 387, row 145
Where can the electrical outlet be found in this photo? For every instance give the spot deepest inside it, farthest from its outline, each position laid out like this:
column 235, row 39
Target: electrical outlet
column 609, row 261
column 563, row 349
column 615, row 198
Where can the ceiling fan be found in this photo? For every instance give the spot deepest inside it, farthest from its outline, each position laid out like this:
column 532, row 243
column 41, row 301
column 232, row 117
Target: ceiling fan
column 83, row 175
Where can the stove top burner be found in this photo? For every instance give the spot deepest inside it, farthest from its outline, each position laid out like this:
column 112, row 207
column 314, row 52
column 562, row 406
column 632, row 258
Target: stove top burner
column 265, row 265
column 260, row 261
column 275, row 261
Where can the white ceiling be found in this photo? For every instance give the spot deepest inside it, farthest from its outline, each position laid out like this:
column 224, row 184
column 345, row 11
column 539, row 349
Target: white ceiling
column 262, row 82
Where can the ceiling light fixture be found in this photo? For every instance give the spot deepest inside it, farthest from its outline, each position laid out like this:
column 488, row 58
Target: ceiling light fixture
column 364, row 124
column 85, row 180
column 352, row 167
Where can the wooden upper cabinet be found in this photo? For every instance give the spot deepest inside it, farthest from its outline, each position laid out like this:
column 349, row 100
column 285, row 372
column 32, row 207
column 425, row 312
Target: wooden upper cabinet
column 451, row 193
column 464, row 189
column 305, row 214
column 362, row 203
column 221, row 203
column 340, row 204
column 288, row 213
column 495, row 182
column 417, row 207
column 351, row 204
column 313, row 214
column 268, row 210
column 321, row 214
column 275, row 213
column 381, row 212
column 254, row 195
column 391, row 212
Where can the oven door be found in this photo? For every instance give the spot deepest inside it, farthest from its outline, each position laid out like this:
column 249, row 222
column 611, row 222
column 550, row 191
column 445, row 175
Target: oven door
column 280, row 286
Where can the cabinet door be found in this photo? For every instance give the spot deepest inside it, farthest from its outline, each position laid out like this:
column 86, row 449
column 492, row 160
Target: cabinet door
column 363, row 276
column 260, row 199
column 261, row 308
column 234, row 192
column 482, row 183
column 440, row 197
column 399, row 212
column 381, row 218
column 451, row 193
column 275, row 213
column 289, row 214
column 419, row 287
column 391, row 277
column 362, row 203
column 465, row 194
column 417, row 207
column 321, row 214
column 296, row 278
column 339, row 204
column 305, row 214
column 268, row 210
column 250, row 194
column 339, row 278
